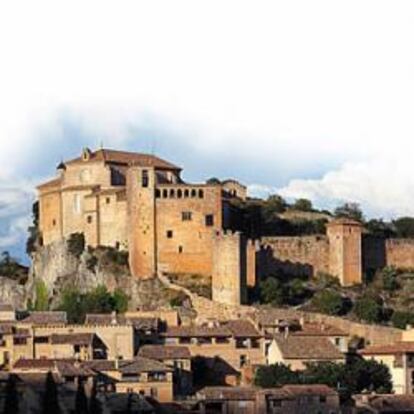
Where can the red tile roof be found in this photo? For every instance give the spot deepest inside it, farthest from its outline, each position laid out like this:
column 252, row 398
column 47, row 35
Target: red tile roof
column 126, row 158
column 396, row 348
column 307, row 347
column 46, row 318
column 164, row 352
column 72, row 339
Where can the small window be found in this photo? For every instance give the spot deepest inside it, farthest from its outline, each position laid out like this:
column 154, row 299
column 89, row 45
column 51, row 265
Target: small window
column 180, row 249
column 172, row 193
column 170, row 234
column 145, row 178
column 209, row 220
column 157, row 193
column 186, row 216
column 186, row 193
column 54, row 222
column 243, row 360
column 322, row 399
column 193, row 193
column 108, row 200
column 89, row 219
column 200, row 193
column 165, row 193
column 179, row 193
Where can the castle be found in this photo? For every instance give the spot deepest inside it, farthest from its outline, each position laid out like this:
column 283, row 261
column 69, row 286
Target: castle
column 139, row 202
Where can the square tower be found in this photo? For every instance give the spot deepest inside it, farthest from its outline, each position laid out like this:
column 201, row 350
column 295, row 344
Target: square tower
column 345, row 250
column 141, row 221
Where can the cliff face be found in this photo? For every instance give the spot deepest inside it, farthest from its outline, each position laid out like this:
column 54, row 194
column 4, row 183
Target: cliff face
column 58, row 269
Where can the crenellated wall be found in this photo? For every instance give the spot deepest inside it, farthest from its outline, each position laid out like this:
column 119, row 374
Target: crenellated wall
column 305, row 256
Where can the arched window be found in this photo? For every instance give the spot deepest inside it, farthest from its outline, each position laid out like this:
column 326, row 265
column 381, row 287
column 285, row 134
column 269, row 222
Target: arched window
column 200, row 193
column 186, row 193
column 172, row 193
column 179, row 193
column 193, row 193
column 165, row 193
column 157, row 193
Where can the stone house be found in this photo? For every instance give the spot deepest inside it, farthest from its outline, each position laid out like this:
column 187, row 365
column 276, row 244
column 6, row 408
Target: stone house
column 176, row 357
column 289, row 399
column 237, row 342
column 141, row 376
column 296, row 351
column 399, row 358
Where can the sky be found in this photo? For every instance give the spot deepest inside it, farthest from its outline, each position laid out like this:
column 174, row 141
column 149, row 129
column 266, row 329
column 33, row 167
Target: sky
column 306, row 99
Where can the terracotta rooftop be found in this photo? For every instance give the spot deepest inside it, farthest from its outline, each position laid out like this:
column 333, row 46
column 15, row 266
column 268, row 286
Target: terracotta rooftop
column 72, row 339
column 164, row 352
column 46, row 318
column 137, row 365
column 197, row 331
column 387, row 403
column 126, row 158
column 139, row 323
column 41, row 364
column 307, row 347
column 309, row 389
column 396, row 348
column 5, row 307
column 242, row 328
column 228, row 393
column 320, row 329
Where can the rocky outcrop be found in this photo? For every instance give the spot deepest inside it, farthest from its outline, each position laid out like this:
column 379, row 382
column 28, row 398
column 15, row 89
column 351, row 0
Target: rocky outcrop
column 58, row 270
column 11, row 292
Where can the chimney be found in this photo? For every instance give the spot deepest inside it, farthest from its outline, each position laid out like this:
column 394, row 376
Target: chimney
column 117, row 362
column 286, row 331
column 114, row 320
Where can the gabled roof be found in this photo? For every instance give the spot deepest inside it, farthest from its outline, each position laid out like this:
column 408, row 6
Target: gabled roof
column 72, row 339
column 46, row 318
column 229, row 393
column 126, row 158
column 396, row 348
column 137, row 365
column 242, row 329
column 307, row 347
column 164, row 352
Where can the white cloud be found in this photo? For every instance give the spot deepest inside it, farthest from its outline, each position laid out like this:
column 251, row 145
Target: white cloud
column 297, row 86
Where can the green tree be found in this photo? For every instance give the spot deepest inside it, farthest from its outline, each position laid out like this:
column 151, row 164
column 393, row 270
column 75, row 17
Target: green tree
column 328, row 301
column 81, row 402
column 349, row 210
column 271, row 291
column 389, row 278
column 11, row 403
column 213, row 181
column 120, row 301
column 276, row 375
column 404, row 227
column 76, row 244
column 50, row 396
column 303, row 204
column 368, row 308
column 401, row 319
column 42, row 296
column 274, row 204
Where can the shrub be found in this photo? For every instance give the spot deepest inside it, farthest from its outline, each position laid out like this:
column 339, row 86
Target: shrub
column 389, row 278
column 42, row 296
column 303, row 204
column 401, row 319
column 329, row 301
column 76, row 244
column 271, row 291
column 368, row 309
column 275, row 376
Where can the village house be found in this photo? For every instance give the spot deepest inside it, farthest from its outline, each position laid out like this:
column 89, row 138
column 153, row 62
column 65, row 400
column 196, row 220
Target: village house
column 399, row 358
column 176, row 357
column 141, row 376
column 296, row 350
column 237, row 342
column 289, row 399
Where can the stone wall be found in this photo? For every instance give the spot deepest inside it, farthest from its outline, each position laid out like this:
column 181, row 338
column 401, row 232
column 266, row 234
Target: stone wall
column 185, row 243
column 400, row 253
column 306, row 255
